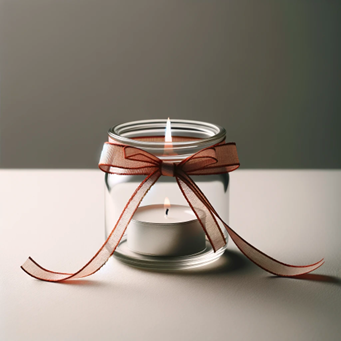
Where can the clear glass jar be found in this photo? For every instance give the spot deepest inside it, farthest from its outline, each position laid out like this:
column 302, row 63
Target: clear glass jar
column 188, row 137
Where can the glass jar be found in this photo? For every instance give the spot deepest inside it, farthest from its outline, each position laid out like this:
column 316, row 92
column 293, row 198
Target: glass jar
column 188, row 137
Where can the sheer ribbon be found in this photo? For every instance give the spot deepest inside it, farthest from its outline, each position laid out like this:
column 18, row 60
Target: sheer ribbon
column 127, row 160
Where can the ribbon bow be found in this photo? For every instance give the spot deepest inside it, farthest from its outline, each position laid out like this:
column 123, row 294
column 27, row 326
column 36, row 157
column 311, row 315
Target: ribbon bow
column 127, row 160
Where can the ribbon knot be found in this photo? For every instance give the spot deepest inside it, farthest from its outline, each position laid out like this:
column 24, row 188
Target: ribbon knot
column 167, row 168
column 127, row 160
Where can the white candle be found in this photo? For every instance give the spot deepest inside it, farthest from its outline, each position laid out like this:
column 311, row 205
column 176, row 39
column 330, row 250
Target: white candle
column 153, row 232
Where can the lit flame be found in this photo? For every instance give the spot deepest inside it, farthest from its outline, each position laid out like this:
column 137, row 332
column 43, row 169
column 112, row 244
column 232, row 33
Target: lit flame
column 168, row 133
column 166, row 205
column 168, row 138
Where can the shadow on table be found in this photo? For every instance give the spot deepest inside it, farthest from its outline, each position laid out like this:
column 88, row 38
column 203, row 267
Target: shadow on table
column 81, row 282
column 316, row 278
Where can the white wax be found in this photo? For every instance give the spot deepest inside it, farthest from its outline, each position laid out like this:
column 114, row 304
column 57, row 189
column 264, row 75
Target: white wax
column 152, row 232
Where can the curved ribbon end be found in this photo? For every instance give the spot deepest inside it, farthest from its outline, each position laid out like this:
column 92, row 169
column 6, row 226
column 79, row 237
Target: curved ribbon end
column 36, row 271
column 268, row 263
column 302, row 270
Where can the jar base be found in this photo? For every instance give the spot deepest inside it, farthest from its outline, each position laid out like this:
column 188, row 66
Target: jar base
column 207, row 256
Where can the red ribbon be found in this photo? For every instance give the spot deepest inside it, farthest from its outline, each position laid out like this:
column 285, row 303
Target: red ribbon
column 127, row 160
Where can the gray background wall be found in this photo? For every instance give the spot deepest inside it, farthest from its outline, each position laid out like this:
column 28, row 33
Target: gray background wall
column 269, row 71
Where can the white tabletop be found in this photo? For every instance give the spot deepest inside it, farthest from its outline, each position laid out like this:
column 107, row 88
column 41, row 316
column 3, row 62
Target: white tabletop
column 56, row 216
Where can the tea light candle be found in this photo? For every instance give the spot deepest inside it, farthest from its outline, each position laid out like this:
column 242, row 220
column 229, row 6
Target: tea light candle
column 158, row 230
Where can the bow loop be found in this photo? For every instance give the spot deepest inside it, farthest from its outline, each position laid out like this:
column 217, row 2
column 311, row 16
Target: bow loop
column 219, row 159
column 199, row 161
column 135, row 154
column 126, row 160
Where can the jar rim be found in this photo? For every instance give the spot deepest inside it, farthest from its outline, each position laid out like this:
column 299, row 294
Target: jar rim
column 204, row 134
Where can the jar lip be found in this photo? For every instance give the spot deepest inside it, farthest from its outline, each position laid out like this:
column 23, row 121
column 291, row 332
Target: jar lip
column 207, row 133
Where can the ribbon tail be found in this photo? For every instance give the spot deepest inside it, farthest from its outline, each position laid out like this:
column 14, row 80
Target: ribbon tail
column 267, row 263
column 107, row 249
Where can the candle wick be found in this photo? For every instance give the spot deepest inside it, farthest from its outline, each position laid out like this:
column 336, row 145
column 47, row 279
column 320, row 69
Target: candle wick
column 167, row 210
